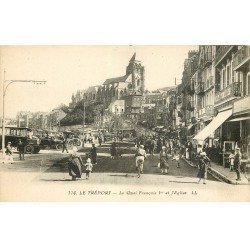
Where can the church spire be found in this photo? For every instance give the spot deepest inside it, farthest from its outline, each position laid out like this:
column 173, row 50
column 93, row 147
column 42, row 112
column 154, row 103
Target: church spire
column 133, row 58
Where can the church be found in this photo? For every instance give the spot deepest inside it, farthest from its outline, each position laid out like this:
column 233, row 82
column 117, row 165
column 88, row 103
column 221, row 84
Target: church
column 123, row 94
column 129, row 88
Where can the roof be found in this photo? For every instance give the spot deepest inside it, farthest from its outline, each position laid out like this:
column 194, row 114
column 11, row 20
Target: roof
column 167, row 88
column 133, row 57
column 117, row 103
column 116, row 79
column 91, row 89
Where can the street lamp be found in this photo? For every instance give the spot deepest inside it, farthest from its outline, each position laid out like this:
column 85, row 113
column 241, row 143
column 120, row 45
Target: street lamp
column 8, row 83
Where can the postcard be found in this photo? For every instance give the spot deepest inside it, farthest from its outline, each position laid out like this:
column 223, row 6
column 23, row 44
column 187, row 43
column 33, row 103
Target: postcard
column 125, row 123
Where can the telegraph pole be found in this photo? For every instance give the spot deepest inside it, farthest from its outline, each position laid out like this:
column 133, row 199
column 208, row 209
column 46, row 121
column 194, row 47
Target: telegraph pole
column 3, row 96
column 83, row 122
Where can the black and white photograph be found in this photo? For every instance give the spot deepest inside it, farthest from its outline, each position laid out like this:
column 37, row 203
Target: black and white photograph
column 125, row 123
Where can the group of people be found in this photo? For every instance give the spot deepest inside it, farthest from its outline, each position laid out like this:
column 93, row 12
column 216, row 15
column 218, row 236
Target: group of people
column 165, row 154
column 170, row 149
column 77, row 166
column 9, row 152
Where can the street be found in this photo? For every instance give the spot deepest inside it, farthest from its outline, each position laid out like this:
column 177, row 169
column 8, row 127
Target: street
column 45, row 176
column 52, row 165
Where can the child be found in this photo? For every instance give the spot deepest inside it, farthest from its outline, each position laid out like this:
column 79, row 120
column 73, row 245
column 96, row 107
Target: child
column 176, row 157
column 139, row 167
column 89, row 167
column 231, row 161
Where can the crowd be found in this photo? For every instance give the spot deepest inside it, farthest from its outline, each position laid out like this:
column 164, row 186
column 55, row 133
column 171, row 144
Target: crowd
column 168, row 149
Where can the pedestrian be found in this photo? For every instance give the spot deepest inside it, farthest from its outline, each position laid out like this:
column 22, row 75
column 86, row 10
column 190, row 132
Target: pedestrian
column 20, row 148
column 237, row 163
column 152, row 146
column 203, row 167
column 89, row 167
column 113, row 150
column 176, row 157
column 100, row 140
column 164, row 160
column 65, row 145
column 8, row 152
column 93, row 153
column 159, row 145
column 140, row 156
column 75, row 165
column 231, row 161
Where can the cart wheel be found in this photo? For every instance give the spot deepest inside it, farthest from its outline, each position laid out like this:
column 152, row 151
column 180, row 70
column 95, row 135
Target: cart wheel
column 29, row 149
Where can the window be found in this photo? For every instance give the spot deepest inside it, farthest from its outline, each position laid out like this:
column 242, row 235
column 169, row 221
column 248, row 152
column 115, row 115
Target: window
column 227, row 76
column 248, row 83
column 223, row 78
column 138, row 82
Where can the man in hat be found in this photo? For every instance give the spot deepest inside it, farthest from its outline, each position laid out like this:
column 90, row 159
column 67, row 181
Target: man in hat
column 140, row 156
column 20, row 148
column 237, row 162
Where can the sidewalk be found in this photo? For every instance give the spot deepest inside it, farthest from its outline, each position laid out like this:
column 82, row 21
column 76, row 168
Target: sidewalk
column 223, row 174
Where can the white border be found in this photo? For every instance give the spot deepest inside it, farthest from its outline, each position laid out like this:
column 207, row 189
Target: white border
column 124, row 225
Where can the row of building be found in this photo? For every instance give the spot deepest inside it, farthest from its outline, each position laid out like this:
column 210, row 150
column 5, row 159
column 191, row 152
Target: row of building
column 41, row 120
column 211, row 104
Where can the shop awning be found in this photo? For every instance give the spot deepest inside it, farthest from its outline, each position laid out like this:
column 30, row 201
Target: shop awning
column 213, row 125
column 240, row 119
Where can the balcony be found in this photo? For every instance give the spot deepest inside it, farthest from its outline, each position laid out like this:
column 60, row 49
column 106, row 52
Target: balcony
column 209, row 84
column 229, row 93
column 241, row 58
column 206, row 60
column 206, row 112
column 222, row 52
column 200, row 88
column 209, row 110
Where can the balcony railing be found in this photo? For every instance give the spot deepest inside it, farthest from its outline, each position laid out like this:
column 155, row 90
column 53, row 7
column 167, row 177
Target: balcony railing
column 221, row 52
column 209, row 83
column 201, row 112
column 241, row 57
column 207, row 111
column 230, row 92
column 200, row 88
column 207, row 59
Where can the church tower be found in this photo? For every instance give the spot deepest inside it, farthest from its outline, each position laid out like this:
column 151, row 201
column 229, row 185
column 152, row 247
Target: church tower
column 138, row 74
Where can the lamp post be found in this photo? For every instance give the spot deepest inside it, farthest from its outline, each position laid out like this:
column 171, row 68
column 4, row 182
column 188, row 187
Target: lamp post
column 8, row 83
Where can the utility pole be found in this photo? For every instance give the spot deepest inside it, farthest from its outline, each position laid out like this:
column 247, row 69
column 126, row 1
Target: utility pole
column 3, row 97
column 83, row 122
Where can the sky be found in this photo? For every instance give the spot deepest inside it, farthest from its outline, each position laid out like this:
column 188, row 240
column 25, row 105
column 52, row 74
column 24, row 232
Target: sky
column 69, row 68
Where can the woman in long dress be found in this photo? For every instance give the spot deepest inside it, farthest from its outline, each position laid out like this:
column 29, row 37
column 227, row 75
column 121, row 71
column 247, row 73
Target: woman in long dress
column 203, row 167
column 113, row 150
column 9, row 154
column 164, row 160
column 75, row 165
